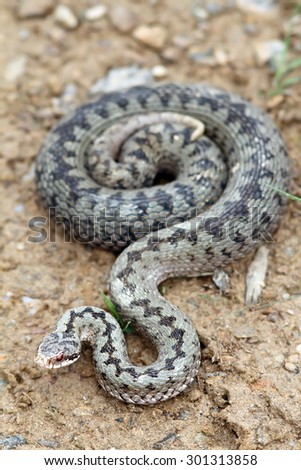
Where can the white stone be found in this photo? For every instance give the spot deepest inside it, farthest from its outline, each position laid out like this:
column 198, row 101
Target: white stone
column 159, row 71
column 23, row 34
column 123, row 77
column 65, row 16
column 32, row 305
column 269, row 51
column 95, row 13
column 153, row 36
column 291, row 367
column 8, row 295
column 293, row 358
column 15, row 69
column 257, row 6
column 221, row 57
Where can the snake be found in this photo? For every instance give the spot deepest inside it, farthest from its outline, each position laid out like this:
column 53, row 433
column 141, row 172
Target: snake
column 178, row 180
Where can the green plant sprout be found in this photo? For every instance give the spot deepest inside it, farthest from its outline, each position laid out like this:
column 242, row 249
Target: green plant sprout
column 125, row 326
column 285, row 194
column 285, row 67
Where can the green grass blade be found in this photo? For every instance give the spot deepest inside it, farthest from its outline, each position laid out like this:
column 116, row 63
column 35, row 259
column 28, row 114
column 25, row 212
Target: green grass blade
column 294, row 64
column 290, row 81
column 285, row 67
column 125, row 326
column 284, row 193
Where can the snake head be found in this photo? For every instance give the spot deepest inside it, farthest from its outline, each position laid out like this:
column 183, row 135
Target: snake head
column 56, row 350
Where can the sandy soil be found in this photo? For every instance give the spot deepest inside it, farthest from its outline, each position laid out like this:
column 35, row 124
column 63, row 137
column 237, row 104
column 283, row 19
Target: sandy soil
column 248, row 392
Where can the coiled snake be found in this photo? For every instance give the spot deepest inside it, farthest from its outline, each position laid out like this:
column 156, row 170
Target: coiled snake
column 179, row 228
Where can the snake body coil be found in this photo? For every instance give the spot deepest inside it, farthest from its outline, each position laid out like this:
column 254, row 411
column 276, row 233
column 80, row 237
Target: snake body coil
column 137, row 134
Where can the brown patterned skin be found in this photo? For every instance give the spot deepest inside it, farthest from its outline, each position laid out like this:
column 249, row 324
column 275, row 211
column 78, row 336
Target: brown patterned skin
column 175, row 238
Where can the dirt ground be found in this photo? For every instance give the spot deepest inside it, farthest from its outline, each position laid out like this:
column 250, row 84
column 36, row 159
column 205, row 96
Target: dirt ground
column 248, row 391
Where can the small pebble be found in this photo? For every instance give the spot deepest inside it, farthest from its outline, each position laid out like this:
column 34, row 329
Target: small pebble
column 8, row 295
column 244, row 331
column 195, row 394
column 221, row 57
column 273, row 317
column 200, row 13
column 33, row 305
column 166, row 441
column 159, row 71
column 201, row 440
column 30, row 175
column 183, row 41
column 15, row 69
column 257, row 6
column 55, row 85
column 275, row 102
column 290, row 311
column 250, row 29
column 23, row 34
column 69, row 92
column 291, row 367
column 298, row 348
column 279, row 359
column 57, row 34
column 26, row 299
column 202, row 57
column 65, row 17
column 184, row 415
column 119, row 420
column 3, row 384
column 286, row 296
column 95, row 13
column 220, row 6
column 66, row 101
column 124, row 19
column 171, row 54
column 34, row 8
column 152, row 36
column 221, row 280
column 83, row 411
column 12, row 442
column 123, row 77
column 289, row 251
column 269, row 52
column 48, row 443
column 293, row 358
column 19, row 208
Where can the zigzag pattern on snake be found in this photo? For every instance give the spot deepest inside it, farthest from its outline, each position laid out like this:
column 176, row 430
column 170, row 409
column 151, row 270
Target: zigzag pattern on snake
column 98, row 171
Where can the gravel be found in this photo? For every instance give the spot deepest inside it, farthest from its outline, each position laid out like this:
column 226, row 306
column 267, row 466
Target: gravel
column 12, row 442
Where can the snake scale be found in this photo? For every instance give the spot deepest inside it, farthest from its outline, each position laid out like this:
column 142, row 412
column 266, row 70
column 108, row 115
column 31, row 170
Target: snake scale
column 222, row 157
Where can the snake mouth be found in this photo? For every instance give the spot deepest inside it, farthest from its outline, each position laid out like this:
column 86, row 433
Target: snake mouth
column 54, row 362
